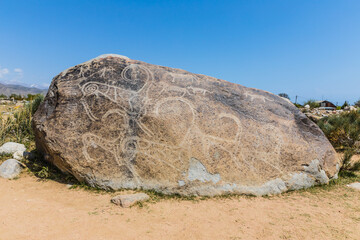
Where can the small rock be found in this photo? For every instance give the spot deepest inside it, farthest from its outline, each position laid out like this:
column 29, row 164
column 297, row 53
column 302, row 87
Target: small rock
column 11, row 168
column 355, row 185
column 129, row 199
column 307, row 106
column 11, row 148
column 19, row 155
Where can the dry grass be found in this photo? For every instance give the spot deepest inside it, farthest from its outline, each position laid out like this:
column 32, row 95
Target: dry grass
column 17, row 125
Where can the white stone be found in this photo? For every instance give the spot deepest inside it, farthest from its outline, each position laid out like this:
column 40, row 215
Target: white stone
column 11, row 168
column 11, row 148
column 355, row 185
column 129, row 199
column 197, row 171
column 299, row 181
column 18, row 155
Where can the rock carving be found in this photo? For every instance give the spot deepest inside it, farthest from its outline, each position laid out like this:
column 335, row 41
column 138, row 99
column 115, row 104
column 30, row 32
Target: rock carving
column 121, row 123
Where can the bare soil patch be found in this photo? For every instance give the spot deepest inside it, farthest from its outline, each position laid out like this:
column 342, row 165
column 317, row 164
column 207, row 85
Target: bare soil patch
column 32, row 209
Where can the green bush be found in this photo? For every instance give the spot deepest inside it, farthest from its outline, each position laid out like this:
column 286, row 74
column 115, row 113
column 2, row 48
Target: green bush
column 346, row 161
column 312, row 104
column 342, row 130
column 17, row 128
column 36, row 103
column 298, row 105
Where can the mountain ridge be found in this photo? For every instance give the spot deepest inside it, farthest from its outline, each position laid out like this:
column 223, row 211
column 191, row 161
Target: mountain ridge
column 8, row 89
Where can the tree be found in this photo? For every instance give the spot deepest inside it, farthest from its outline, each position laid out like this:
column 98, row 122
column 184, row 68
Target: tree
column 312, row 103
column 284, row 95
column 31, row 97
column 357, row 103
column 346, row 104
column 16, row 97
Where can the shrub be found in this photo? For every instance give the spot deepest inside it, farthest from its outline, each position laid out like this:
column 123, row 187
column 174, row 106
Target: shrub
column 342, row 130
column 36, row 103
column 18, row 127
column 347, row 167
column 298, row 105
column 312, row 104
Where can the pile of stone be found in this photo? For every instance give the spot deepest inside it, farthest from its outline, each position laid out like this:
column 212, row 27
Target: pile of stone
column 11, row 168
column 316, row 114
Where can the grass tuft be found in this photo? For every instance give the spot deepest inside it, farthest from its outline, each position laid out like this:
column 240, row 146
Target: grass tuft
column 17, row 128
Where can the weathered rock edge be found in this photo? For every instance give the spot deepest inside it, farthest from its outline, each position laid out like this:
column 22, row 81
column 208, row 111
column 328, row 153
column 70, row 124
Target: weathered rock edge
column 255, row 142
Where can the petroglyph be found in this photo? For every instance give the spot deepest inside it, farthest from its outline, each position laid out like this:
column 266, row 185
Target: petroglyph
column 252, row 97
column 135, row 73
column 117, row 122
column 132, row 108
column 183, row 79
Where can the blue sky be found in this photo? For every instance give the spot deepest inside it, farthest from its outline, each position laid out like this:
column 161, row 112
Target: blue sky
column 305, row 48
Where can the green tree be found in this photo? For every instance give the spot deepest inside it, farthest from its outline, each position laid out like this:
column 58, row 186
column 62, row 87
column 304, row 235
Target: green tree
column 312, row 104
column 16, row 96
column 284, row 95
column 31, row 97
column 357, row 103
column 346, row 104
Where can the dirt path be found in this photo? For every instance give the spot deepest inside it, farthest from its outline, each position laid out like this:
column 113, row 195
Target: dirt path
column 30, row 209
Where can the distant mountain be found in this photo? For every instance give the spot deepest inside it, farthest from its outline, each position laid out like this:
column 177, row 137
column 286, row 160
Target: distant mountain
column 8, row 89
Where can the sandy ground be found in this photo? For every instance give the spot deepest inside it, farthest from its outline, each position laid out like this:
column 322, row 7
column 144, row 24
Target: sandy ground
column 30, row 209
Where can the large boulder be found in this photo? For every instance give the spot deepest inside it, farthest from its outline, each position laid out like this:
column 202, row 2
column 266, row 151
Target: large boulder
column 120, row 123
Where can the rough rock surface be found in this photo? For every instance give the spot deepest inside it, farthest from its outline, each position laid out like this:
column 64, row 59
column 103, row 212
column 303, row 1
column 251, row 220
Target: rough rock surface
column 129, row 199
column 120, row 123
column 11, row 148
column 11, row 168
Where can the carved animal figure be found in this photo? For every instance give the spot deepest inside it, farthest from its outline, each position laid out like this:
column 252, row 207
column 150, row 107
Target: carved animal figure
column 120, row 123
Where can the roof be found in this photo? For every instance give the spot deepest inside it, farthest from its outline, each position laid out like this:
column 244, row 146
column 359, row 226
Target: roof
column 323, row 101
